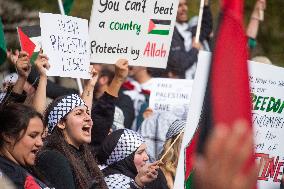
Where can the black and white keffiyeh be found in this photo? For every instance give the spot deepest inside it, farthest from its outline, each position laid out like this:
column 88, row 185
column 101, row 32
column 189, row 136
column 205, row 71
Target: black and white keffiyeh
column 117, row 152
column 63, row 107
column 175, row 128
column 128, row 143
column 118, row 181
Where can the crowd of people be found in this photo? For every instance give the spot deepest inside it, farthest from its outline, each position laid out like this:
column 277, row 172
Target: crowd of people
column 107, row 137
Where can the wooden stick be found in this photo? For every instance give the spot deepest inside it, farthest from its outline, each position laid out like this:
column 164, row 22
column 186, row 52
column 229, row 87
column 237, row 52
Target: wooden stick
column 161, row 159
column 199, row 21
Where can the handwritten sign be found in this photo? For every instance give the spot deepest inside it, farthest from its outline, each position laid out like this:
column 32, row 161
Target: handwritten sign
column 139, row 30
column 169, row 94
column 66, row 43
column 267, row 91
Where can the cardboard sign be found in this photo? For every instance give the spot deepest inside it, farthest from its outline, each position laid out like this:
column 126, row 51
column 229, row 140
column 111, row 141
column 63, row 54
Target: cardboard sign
column 267, row 90
column 140, row 31
column 66, row 44
column 169, row 94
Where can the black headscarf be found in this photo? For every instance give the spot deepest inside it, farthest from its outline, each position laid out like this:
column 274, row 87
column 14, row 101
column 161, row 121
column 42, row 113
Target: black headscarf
column 117, row 152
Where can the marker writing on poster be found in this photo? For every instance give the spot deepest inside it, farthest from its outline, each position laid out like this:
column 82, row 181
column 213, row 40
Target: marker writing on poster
column 271, row 167
column 110, row 5
column 72, row 48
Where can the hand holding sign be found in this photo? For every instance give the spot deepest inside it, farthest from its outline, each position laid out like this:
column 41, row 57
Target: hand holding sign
column 42, row 64
column 121, row 69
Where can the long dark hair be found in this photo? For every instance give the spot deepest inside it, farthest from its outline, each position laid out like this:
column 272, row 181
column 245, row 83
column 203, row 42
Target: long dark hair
column 57, row 141
column 14, row 119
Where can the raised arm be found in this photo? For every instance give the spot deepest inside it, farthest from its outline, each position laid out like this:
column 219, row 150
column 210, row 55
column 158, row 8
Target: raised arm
column 23, row 68
column 256, row 17
column 121, row 72
column 103, row 111
column 88, row 91
column 39, row 100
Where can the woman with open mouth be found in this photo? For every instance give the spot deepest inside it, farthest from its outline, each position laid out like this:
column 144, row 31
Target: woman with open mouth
column 20, row 139
column 66, row 159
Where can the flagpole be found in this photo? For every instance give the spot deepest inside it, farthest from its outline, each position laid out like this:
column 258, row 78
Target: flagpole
column 199, row 21
column 60, row 4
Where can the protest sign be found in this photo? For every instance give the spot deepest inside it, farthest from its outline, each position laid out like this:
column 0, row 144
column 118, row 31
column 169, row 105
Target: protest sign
column 267, row 90
column 170, row 94
column 140, row 31
column 66, row 44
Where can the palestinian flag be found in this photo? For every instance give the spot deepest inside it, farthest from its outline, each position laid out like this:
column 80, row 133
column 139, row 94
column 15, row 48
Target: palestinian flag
column 228, row 79
column 159, row 27
column 3, row 49
column 29, row 37
column 189, row 161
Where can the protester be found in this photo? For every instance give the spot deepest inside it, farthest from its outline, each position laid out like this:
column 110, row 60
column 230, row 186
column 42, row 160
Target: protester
column 124, row 102
column 170, row 153
column 20, row 140
column 124, row 154
column 66, row 159
column 53, row 90
column 16, row 93
column 103, row 110
column 154, row 130
column 256, row 17
column 183, row 47
column 39, row 99
column 223, row 160
column 138, row 87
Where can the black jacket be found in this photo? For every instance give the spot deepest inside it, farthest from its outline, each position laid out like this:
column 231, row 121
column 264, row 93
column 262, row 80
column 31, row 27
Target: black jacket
column 178, row 52
column 19, row 176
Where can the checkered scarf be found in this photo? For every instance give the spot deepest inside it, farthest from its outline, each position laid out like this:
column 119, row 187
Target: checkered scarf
column 63, row 107
column 175, row 128
column 128, row 143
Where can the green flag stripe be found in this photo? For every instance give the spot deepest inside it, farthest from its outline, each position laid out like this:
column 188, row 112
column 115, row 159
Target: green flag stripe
column 33, row 58
column 68, row 6
column 188, row 184
column 160, row 32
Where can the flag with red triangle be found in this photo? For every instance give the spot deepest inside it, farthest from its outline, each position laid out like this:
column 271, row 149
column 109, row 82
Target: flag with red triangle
column 29, row 37
column 159, row 27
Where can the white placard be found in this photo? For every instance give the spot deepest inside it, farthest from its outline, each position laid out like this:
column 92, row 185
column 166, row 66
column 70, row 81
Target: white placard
column 140, row 31
column 170, row 94
column 267, row 89
column 65, row 40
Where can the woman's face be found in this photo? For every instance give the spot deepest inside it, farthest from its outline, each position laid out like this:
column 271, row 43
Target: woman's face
column 140, row 157
column 78, row 126
column 23, row 152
